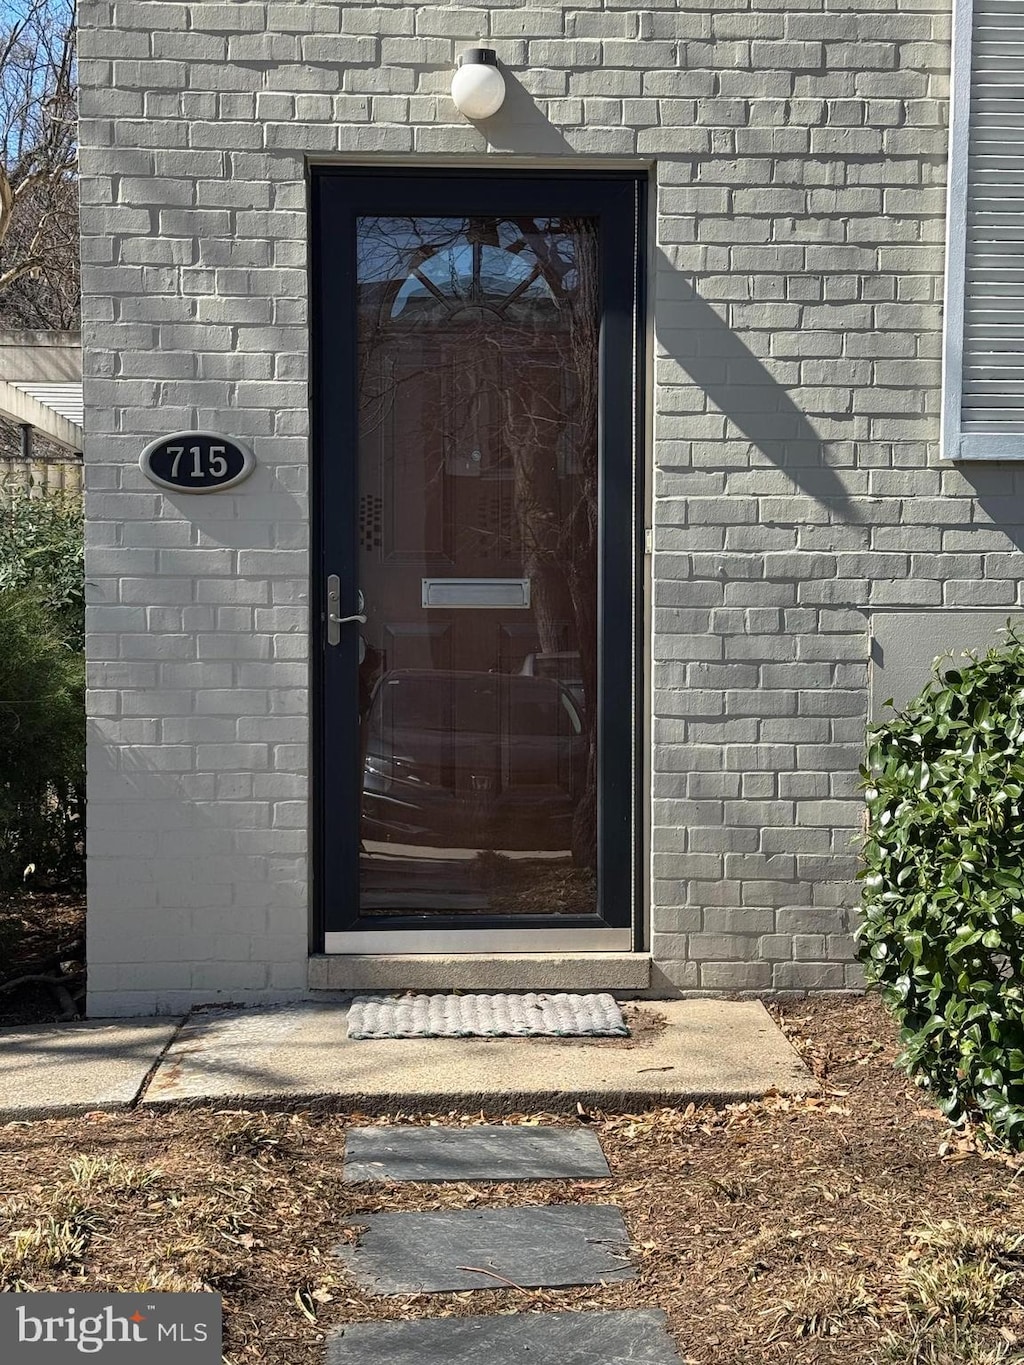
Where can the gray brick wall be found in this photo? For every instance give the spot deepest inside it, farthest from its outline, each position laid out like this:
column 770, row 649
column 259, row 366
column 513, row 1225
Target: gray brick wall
column 798, row 153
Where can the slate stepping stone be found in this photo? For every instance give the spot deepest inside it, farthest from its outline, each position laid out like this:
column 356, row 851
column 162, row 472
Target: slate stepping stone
column 489, row 1152
column 632, row 1337
column 428, row 1253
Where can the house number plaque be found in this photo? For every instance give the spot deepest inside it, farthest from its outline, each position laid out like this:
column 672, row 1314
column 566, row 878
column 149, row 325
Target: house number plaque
column 196, row 462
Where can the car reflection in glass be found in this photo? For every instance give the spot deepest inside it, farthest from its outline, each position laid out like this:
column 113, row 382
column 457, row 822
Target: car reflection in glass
column 564, row 666
column 472, row 760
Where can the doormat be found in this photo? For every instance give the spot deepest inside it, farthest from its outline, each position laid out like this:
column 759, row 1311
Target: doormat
column 485, row 1016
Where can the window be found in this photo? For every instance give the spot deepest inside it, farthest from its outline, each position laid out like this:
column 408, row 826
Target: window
column 983, row 346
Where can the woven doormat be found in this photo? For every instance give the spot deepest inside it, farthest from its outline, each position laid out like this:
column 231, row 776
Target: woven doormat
column 484, row 1016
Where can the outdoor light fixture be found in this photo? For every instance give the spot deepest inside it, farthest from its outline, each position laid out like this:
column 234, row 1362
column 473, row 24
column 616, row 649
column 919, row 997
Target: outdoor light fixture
column 478, row 87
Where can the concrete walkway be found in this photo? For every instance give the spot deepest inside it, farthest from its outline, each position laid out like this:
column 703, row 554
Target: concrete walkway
column 701, row 1050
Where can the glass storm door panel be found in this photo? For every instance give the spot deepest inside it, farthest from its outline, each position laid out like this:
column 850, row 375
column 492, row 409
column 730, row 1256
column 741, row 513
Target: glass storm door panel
column 477, row 734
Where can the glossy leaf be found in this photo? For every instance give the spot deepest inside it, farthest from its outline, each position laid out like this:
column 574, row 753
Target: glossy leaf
column 942, row 883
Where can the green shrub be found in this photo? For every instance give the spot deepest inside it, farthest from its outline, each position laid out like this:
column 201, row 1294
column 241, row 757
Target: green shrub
column 942, row 932
column 42, row 725
column 42, row 546
column 42, row 742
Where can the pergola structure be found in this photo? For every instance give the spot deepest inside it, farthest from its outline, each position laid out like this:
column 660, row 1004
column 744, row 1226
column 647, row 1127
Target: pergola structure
column 41, row 386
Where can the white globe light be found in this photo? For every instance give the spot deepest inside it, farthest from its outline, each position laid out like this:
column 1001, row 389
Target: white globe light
column 478, row 87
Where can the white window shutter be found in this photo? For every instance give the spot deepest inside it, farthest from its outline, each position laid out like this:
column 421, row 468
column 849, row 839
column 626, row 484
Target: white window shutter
column 983, row 366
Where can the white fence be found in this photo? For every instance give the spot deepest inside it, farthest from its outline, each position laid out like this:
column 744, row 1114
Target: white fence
column 39, row 476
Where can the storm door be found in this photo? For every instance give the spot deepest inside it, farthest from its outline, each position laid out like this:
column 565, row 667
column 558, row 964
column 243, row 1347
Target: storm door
column 474, row 403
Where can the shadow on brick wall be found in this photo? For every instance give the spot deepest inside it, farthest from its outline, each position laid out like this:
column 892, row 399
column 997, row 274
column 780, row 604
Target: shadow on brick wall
column 999, row 493
column 519, row 126
column 699, row 340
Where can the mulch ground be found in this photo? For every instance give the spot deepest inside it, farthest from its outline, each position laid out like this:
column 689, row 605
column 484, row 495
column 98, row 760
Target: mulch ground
column 34, row 927
column 855, row 1226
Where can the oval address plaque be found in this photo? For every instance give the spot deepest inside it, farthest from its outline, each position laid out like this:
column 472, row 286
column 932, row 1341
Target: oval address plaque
column 196, row 461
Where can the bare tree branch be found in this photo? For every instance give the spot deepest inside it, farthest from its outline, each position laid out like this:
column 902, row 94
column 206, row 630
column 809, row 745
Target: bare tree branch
column 460, row 355
column 38, row 167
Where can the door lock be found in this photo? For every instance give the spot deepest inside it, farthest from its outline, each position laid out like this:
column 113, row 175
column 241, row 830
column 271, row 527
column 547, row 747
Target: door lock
column 334, row 621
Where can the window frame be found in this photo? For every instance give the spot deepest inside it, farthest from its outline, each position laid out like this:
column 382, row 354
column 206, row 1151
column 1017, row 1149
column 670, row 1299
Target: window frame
column 955, row 444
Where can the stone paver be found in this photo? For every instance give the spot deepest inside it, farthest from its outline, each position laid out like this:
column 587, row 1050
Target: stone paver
column 55, row 1069
column 719, row 1050
column 633, row 1337
column 431, row 1253
column 487, row 1152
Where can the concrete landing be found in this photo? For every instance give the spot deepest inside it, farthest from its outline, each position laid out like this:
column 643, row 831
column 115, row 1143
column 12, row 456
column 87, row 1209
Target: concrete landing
column 50, row 1070
column 713, row 1050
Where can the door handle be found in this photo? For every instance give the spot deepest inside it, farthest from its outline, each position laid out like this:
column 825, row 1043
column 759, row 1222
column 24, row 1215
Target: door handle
column 334, row 621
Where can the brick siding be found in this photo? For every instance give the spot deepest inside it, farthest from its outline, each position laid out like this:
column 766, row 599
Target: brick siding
column 798, row 150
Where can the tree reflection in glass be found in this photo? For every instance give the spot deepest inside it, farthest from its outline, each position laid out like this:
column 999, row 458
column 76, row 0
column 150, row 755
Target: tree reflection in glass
column 478, row 402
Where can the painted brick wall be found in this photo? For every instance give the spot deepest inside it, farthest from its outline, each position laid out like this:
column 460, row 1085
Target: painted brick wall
column 799, row 153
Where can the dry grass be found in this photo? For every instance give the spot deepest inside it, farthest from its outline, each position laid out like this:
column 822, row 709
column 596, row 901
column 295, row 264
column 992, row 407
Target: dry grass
column 851, row 1227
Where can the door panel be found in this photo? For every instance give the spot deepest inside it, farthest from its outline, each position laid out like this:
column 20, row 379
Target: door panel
column 476, row 728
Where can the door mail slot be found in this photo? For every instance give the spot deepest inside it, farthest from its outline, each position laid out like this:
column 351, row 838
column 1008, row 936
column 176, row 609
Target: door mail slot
column 476, row 592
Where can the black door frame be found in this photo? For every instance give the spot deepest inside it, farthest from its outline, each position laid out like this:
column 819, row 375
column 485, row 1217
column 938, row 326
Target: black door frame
column 338, row 195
